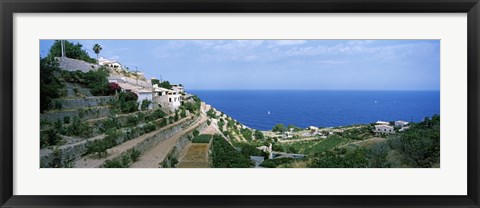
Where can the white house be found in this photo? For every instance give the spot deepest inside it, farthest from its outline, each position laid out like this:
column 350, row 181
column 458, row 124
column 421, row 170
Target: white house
column 382, row 122
column 401, row 123
column 144, row 94
column 178, row 88
column 166, row 98
column 105, row 62
column 384, row 129
column 403, row 128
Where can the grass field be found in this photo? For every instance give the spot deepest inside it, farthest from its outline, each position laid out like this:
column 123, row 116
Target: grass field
column 196, row 156
column 312, row 147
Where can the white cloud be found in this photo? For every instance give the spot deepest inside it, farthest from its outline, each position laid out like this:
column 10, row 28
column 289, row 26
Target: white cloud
column 330, row 62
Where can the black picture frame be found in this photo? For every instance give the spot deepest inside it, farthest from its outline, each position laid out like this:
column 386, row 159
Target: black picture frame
column 10, row 7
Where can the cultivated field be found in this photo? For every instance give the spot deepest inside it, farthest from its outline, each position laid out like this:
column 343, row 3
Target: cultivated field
column 196, row 156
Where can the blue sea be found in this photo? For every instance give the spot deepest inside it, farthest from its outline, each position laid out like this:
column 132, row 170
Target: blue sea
column 305, row 108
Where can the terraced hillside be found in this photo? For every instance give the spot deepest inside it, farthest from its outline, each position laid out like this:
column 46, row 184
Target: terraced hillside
column 88, row 125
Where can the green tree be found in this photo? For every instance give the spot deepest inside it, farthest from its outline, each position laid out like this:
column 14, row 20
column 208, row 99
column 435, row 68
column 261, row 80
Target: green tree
column 279, row 128
column 50, row 86
column 145, row 104
column 74, row 51
column 226, row 156
column 155, row 82
column 259, row 135
column 419, row 145
column 211, row 113
column 295, row 128
column 165, row 84
column 341, row 159
column 97, row 48
column 247, row 133
column 97, row 81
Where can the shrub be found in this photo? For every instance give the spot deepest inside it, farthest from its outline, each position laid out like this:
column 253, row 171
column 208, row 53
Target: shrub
column 113, row 88
column 420, row 145
column 127, row 102
column 97, row 81
column 341, row 158
column 221, row 123
column 226, row 156
column 110, row 123
column 79, row 128
column 113, row 164
column 204, row 138
column 132, row 120
column 49, row 137
column 258, row 135
column 279, row 128
column 273, row 163
column 211, row 113
column 50, row 85
column 183, row 114
column 66, row 119
column 158, row 114
column 145, row 104
column 149, row 127
column 176, row 115
column 100, row 146
column 135, row 154
column 195, row 133
column 163, row 122
column 126, row 160
column 247, row 133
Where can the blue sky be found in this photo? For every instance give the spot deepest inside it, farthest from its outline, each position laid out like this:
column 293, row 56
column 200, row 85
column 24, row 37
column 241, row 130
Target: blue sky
column 279, row 64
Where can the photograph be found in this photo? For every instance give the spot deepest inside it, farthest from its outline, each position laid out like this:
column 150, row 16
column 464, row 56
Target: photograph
column 239, row 103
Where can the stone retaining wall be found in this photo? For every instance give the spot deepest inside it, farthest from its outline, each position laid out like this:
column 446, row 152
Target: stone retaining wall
column 82, row 102
column 65, row 155
column 179, row 147
column 155, row 139
column 74, row 64
column 83, row 113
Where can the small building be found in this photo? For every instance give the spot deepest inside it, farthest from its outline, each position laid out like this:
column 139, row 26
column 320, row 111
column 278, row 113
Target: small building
column 144, row 95
column 382, row 123
column 115, row 80
column 166, row 98
column 384, row 129
column 313, row 128
column 401, row 123
column 110, row 63
column 178, row 88
column 403, row 128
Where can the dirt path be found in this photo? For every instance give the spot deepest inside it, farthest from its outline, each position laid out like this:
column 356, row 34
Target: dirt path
column 154, row 156
column 211, row 130
column 300, row 140
column 92, row 161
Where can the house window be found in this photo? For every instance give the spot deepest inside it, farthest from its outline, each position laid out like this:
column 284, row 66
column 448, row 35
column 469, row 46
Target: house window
column 169, row 99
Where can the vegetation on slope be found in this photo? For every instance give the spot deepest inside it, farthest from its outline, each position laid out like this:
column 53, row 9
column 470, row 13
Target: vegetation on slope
column 50, row 85
column 417, row 147
column 225, row 155
column 74, row 51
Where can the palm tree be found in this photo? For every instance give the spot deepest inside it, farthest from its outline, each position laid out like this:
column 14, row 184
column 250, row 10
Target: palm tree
column 97, row 48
